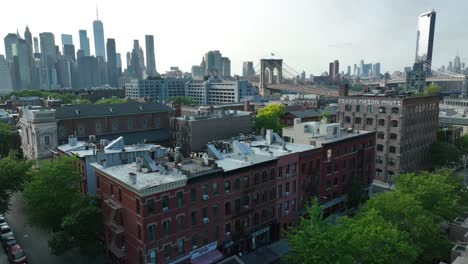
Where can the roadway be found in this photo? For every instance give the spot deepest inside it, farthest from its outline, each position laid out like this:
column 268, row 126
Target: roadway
column 34, row 241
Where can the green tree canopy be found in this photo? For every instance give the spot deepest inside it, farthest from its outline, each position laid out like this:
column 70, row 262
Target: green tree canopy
column 54, row 188
column 13, row 174
column 182, row 100
column 404, row 211
column 432, row 89
column 112, row 101
column 440, row 193
column 462, row 144
column 7, row 139
column 269, row 117
column 443, row 153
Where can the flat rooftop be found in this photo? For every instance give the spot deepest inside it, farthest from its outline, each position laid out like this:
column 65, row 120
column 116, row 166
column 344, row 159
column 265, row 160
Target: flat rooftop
column 227, row 114
column 83, row 149
column 147, row 183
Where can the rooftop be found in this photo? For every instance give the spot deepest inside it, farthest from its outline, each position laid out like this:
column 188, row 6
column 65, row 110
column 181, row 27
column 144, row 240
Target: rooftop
column 144, row 183
column 314, row 112
column 95, row 110
column 222, row 114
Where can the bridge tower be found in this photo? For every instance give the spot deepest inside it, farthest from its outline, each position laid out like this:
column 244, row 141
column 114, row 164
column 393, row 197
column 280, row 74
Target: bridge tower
column 267, row 68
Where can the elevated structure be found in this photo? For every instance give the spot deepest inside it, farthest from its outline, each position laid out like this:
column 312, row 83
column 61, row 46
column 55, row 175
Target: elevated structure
column 267, row 70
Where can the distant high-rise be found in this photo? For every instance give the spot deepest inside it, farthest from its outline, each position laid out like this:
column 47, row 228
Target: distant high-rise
column 67, row 39
column 48, row 60
column 84, row 42
column 450, row 66
column 99, row 45
column 36, row 45
column 334, row 69
column 22, row 65
column 226, row 66
column 150, row 57
column 214, row 64
column 136, row 66
column 111, row 62
column 376, row 69
column 355, row 70
column 425, row 39
column 349, row 71
column 69, row 52
column 457, row 65
column 9, row 40
column 6, row 84
column 29, row 42
column 416, row 78
column 247, row 69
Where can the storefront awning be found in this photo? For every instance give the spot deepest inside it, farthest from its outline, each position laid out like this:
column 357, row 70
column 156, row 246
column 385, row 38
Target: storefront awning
column 208, row 258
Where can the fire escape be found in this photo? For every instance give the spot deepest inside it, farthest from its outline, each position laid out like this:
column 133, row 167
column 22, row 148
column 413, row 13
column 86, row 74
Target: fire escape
column 114, row 229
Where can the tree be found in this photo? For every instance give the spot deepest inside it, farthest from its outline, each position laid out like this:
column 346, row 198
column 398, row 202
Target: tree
column 269, row 117
column 357, row 192
column 182, row 100
column 80, row 101
column 112, row 101
column 316, row 240
column 462, row 144
column 13, row 174
column 79, row 229
column 374, row 240
column 407, row 214
column 439, row 193
column 443, row 153
column 53, row 190
column 7, row 139
column 432, row 89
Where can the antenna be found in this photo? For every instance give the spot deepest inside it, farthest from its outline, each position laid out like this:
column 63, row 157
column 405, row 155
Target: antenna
column 97, row 11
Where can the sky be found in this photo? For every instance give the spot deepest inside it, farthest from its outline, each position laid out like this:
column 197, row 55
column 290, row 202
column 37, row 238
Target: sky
column 306, row 34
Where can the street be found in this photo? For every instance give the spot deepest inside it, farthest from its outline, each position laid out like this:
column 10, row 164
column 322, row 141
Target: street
column 34, row 240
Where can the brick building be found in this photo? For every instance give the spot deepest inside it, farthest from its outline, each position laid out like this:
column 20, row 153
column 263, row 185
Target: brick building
column 309, row 115
column 137, row 122
column 236, row 197
column 405, row 126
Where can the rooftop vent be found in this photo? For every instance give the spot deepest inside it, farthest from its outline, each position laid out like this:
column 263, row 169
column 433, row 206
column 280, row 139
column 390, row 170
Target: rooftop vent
column 132, row 177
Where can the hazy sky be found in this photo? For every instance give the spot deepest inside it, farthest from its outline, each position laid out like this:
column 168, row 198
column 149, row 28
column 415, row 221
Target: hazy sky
column 306, row 34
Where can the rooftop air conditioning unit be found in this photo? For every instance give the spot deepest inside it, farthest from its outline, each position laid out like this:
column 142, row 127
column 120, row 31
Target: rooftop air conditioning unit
column 206, row 220
column 205, row 197
column 165, row 209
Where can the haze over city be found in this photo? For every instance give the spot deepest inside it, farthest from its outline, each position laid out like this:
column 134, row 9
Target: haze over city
column 306, row 34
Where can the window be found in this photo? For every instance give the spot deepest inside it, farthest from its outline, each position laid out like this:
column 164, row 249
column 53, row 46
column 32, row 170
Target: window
column 256, row 219
column 393, row 136
column 227, row 186
column 139, row 231
column 264, row 176
column 369, row 121
column 280, row 173
column 272, row 193
column 358, row 108
column 347, row 119
column 272, row 173
column 180, row 247
column 280, row 190
column 193, row 194
column 294, row 186
column 395, row 110
column 137, row 201
column 294, row 168
column 255, row 197
column 180, row 199
column 264, row 196
column 378, row 172
column 151, row 233
column 165, row 202
column 382, row 109
column 381, row 122
column 369, row 109
column 287, row 187
column 348, row 107
column 227, row 208
column 120, row 194
column 112, row 189
column 205, row 189
column 194, row 241
column 167, row 227
column 394, row 123
column 391, row 161
column 153, row 256
column 228, row 228
column 381, row 135
column 246, row 222
column 47, row 140
column 98, row 182
column 205, row 212
column 246, row 201
column 246, row 181
column 216, row 234
column 215, row 188
column 215, row 211
column 280, row 210
column 357, row 120
column 378, row 159
column 256, row 178
column 180, row 222
column 392, row 149
column 379, row 147
column 272, row 211
column 194, row 217
column 236, row 184
column 151, row 206
column 167, row 252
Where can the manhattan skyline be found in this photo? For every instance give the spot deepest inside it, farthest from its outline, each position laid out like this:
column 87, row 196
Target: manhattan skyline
column 306, row 34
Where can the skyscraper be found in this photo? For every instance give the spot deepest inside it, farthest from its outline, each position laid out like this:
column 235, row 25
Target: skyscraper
column 84, row 42
column 36, row 45
column 9, row 40
column 111, row 62
column 214, row 64
column 29, row 42
column 67, row 39
column 99, row 47
column 69, row 52
column 22, row 65
column 376, row 69
column 48, row 60
column 425, row 39
column 457, row 64
column 334, row 70
column 6, row 84
column 150, row 58
column 349, row 71
column 247, row 69
column 226, row 68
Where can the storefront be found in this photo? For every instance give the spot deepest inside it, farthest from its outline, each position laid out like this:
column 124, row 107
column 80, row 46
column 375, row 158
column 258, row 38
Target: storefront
column 206, row 255
column 261, row 237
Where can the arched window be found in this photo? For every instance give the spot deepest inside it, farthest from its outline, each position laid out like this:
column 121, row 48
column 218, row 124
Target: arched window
column 394, row 123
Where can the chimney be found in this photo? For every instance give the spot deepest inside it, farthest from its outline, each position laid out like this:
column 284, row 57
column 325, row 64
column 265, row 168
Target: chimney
column 247, row 106
column 72, row 140
column 270, row 138
column 104, row 163
column 297, row 121
column 344, row 89
column 132, row 177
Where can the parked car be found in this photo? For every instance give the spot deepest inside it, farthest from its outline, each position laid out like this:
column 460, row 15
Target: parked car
column 3, row 221
column 16, row 255
column 6, row 232
column 9, row 242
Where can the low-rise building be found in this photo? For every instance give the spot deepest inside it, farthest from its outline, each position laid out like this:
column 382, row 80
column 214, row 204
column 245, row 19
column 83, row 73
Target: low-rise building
column 38, row 132
column 192, row 133
column 158, row 89
column 217, row 90
column 309, row 115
